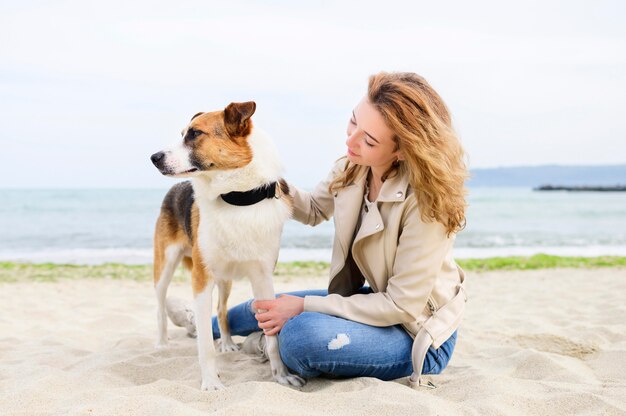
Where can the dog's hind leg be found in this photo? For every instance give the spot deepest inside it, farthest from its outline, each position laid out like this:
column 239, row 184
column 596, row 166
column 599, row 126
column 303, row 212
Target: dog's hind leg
column 226, row 341
column 166, row 259
column 263, row 289
column 180, row 312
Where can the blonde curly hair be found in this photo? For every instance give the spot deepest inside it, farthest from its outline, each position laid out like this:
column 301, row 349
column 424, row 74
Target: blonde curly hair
column 432, row 153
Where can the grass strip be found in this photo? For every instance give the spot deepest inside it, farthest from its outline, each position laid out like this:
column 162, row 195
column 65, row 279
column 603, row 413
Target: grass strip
column 51, row 272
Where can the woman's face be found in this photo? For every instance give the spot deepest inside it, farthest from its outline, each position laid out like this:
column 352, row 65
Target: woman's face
column 370, row 141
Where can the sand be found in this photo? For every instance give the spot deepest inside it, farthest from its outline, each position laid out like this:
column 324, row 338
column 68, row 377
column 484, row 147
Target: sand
column 548, row 342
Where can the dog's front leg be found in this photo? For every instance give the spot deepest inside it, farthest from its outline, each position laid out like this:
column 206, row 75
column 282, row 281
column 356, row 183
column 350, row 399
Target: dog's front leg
column 203, row 284
column 263, row 289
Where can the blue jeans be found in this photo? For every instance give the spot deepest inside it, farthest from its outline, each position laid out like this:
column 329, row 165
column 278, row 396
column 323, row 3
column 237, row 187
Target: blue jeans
column 313, row 344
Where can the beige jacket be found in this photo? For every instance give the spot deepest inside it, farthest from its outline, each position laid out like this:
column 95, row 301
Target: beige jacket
column 407, row 262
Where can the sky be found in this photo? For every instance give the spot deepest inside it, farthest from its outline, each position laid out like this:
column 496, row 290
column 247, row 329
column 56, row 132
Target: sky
column 89, row 90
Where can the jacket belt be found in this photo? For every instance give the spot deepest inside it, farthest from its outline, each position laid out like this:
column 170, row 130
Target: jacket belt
column 436, row 330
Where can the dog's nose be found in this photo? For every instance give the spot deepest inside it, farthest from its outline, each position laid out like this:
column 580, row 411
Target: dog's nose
column 157, row 158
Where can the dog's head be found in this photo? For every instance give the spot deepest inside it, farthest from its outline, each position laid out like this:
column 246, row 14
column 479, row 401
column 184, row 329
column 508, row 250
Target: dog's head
column 211, row 141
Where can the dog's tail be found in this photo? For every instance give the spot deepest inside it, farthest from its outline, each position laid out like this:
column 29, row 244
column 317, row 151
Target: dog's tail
column 187, row 262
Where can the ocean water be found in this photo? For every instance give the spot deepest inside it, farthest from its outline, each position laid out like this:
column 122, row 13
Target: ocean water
column 95, row 226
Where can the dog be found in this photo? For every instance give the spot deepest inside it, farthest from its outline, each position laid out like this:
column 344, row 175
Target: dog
column 224, row 224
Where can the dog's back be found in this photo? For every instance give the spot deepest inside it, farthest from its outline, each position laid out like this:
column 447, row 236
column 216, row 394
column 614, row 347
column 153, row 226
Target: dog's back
column 177, row 207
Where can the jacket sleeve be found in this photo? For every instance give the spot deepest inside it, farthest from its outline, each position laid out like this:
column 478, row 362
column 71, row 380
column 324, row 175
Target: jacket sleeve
column 422, row 247
column 312, row 208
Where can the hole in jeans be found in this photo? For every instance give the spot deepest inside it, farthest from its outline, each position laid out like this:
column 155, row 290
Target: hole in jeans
column 339, row 342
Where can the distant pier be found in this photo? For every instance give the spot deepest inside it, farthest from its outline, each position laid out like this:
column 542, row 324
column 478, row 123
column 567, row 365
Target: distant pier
column 614, row 188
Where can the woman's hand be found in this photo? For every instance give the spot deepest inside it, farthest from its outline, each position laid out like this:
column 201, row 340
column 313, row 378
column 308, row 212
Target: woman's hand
column 277, row 312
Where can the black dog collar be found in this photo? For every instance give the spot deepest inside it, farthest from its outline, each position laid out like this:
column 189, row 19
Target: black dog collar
column 251, row 197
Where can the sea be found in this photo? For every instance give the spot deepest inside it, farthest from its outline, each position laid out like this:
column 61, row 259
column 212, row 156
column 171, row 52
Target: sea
column 93, row 226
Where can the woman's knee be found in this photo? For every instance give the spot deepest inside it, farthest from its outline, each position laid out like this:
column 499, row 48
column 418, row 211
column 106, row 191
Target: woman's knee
column 297, row 333
column 299, row 337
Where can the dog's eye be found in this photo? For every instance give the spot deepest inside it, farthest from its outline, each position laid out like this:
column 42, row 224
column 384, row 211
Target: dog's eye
column 192, row 134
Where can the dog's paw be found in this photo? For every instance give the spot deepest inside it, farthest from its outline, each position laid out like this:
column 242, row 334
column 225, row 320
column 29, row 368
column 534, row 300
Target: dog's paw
column 191, row 332
column 227, row 346
column 211, row 385
column 290, row 380
column 161, row 346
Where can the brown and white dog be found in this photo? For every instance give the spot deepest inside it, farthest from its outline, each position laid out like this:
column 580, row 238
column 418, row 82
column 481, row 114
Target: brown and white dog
column 225, row 224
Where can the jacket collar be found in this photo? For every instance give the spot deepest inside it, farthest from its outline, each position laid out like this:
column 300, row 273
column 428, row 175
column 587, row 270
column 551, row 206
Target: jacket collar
column 394, row 188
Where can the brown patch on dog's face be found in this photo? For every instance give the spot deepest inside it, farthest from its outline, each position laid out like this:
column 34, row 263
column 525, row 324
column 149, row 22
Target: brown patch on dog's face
column 218, row 140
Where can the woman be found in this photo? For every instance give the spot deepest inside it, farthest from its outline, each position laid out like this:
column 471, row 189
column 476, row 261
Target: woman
column 397, row 198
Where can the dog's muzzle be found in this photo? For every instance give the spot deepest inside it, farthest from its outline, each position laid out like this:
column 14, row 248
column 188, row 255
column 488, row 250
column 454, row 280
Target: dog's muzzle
column 158, row 159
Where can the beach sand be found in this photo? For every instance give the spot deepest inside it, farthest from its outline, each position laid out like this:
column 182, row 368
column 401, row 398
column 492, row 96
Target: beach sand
column 546, row 342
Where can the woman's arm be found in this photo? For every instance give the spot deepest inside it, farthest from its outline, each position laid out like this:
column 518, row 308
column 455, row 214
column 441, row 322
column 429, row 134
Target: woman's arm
column 314, row 207
column 421, row 250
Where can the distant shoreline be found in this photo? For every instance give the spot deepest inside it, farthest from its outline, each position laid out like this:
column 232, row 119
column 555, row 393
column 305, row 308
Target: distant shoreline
column 565, row 175
column 581, row 188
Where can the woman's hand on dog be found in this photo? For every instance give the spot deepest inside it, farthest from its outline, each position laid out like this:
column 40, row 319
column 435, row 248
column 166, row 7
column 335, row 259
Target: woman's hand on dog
column 277, row 312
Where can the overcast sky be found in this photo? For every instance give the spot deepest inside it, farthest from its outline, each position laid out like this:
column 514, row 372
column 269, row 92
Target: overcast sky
column 89, row 90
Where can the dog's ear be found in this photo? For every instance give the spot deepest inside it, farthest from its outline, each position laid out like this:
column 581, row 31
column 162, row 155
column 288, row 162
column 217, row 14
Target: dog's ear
column 196, row 115
column 237, row 118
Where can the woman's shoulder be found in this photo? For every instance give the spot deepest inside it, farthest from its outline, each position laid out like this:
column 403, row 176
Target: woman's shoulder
column 412, row 214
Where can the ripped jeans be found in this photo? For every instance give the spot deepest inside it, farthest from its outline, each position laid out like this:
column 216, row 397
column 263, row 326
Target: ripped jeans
column 313, row 344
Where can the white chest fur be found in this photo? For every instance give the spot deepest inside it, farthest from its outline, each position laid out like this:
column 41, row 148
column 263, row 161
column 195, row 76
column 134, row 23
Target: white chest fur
column 230, row 235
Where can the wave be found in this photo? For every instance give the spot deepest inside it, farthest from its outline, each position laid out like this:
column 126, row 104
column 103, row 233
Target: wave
column 144, row 256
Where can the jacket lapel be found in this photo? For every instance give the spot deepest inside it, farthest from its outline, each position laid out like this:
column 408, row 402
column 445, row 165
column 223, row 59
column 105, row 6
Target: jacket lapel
column 347, row 208
column 393, row 190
